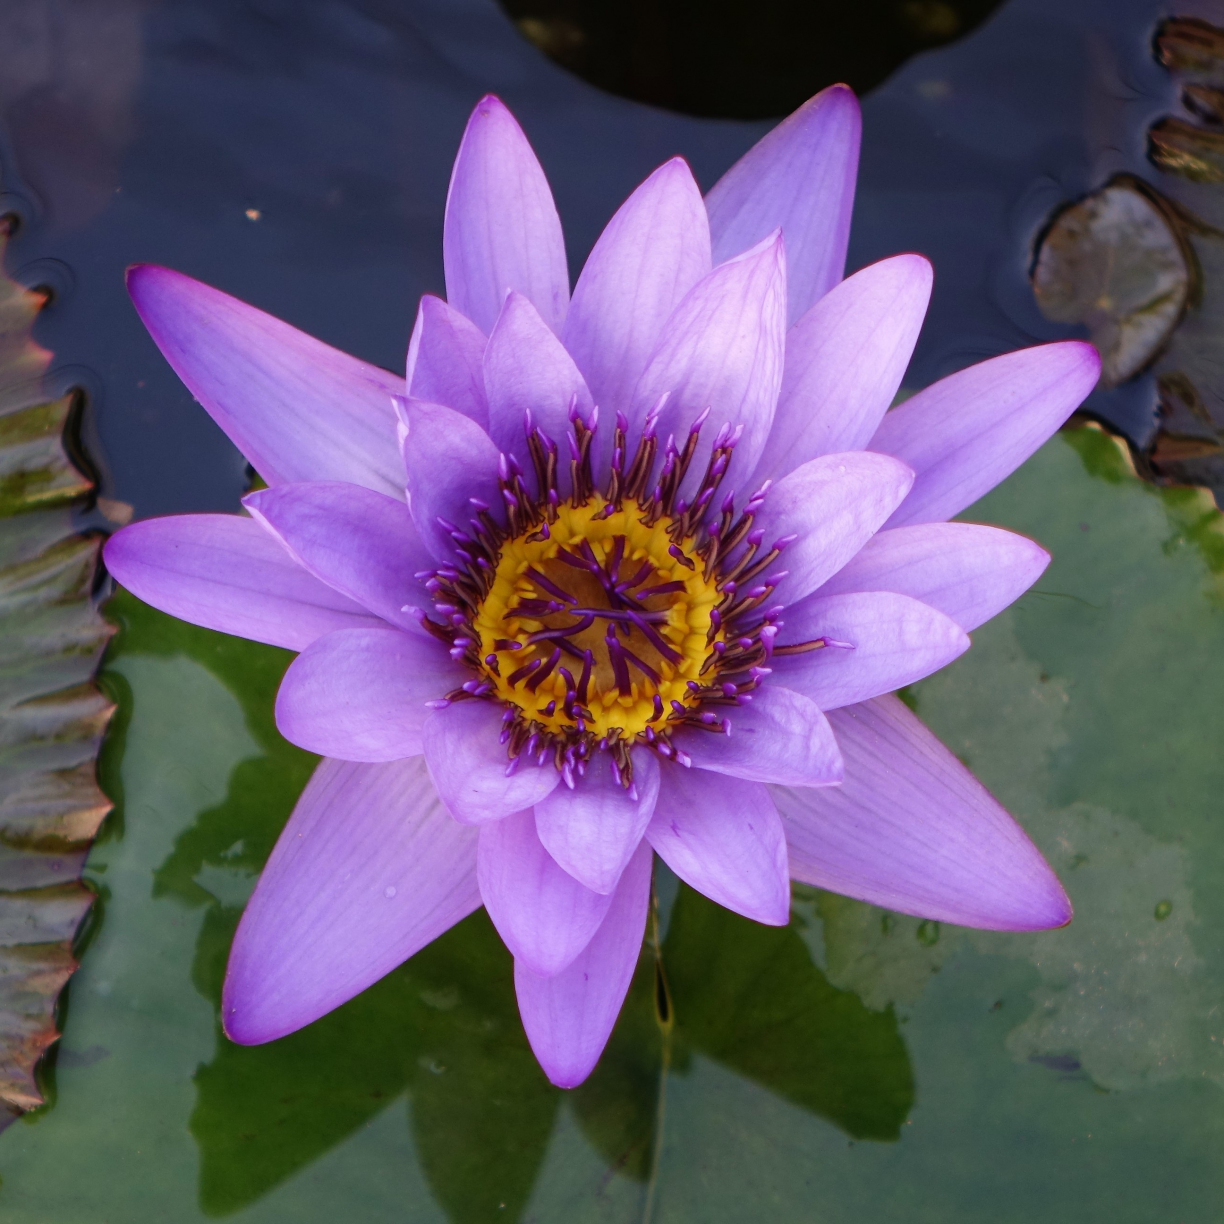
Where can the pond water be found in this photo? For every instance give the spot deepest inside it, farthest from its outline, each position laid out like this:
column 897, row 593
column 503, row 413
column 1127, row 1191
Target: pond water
column 855, row 1065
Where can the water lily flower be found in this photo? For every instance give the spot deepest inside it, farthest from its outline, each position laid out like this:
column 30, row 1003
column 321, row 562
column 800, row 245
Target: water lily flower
column 626, row 572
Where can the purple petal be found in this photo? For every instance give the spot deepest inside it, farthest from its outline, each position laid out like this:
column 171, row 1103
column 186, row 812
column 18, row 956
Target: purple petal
column 652, row 252
column 444, row 360
column 226, row 572
column 526, row 369
column 722, row 349
column 449, row 460
column 502, row 231
column 468, row 765
column 799, row 178
column 911, row 829
column 889, row 641
column 541, row 912
column 360, row 542
column 844, row 362
column 965, row 433
column 781, row 737
column 723, row 836
column 295, row 407
column 968, row 571
column 569, row 1017
column 368, row 870
column 360, row 694
column 593, row 829
column 832, row 506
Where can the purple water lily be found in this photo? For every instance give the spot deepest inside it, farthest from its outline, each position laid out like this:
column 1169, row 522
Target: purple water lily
column 663, row 554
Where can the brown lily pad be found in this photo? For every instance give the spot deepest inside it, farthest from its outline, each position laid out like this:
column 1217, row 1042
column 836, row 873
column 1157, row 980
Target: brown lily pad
column 1115, row 262
column 52, row 717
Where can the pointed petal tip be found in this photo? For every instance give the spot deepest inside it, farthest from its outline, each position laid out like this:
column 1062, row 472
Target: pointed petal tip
column 839, row 97
column 490, row 106
column 1050, row 912
column 241, row 1020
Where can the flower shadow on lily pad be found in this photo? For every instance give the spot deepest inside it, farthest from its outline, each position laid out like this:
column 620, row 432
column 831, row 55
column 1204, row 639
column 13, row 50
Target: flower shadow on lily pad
column 442, row 1029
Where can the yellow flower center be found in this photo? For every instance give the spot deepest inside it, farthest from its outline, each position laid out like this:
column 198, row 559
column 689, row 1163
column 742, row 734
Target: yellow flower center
column 599, row 624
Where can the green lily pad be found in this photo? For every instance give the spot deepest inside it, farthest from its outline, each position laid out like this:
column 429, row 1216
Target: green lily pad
column 854, row 1065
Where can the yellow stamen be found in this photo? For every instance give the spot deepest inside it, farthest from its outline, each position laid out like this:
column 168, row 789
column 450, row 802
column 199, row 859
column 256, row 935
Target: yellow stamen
column 515, row 608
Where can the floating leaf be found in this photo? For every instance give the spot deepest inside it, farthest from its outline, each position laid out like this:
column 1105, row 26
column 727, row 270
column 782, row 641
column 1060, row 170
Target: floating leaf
column 52, row 717
column 1184, row 148
column 1116, row 263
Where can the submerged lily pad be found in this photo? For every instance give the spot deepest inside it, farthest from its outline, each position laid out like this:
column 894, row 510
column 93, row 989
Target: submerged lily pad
column 52, row 717
column 719, row 58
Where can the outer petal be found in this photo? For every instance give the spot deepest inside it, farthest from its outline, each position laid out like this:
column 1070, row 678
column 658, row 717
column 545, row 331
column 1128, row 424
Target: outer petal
column 541, row 912
column 449, row 460
column 502, row 231
column 368, row 870
column 295, row 407
column 653, row 251
column 226, row 572
column 965, row 433
column 913, row 830
column 468, row 765
column 360, row 694
column 832, row 506
column 526, row 369
column 593, row 829
column 891, row 641
column 444, row 360
column 968, row 571
column 799, row 178
column 844, row 362
column 360, row 542
column 569, row 1017
column 722, row 349
column 724, row 837
column 781, row 737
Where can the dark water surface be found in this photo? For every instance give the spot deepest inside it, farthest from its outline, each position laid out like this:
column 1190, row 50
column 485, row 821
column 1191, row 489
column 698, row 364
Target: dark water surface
column 155, row 132
column 853, row 1066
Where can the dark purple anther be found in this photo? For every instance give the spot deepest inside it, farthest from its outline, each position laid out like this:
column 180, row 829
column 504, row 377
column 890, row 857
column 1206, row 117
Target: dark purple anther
column 545, row 671
column 588, row 661
column 620, row 668
column 523, row 672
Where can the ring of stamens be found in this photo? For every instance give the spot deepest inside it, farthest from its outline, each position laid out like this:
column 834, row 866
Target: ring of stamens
column 599, row 627
column 612, row 617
